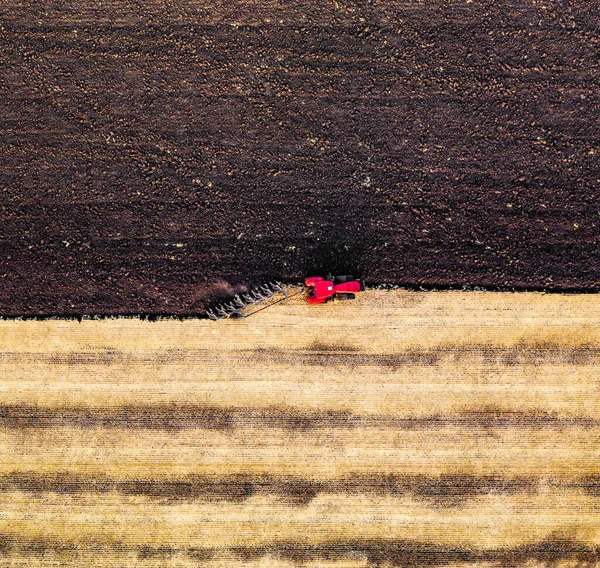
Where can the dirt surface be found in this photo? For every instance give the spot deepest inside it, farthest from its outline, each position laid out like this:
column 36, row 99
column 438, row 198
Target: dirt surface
column 402, row 430
column 153, row 154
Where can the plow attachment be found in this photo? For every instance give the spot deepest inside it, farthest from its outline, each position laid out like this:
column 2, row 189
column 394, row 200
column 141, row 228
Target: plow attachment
column 258, row 299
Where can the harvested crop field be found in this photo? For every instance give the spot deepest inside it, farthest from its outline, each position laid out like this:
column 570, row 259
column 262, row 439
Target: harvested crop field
column 402, row 429
column 151, row 151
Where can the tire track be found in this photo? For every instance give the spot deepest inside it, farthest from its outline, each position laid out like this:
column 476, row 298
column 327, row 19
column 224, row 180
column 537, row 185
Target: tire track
column 325, row 355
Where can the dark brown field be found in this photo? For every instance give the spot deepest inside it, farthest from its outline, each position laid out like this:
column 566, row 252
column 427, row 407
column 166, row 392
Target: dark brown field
column 152, row 153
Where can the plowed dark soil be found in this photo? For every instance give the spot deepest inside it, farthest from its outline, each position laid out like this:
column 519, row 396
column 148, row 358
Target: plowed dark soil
column 154, row 153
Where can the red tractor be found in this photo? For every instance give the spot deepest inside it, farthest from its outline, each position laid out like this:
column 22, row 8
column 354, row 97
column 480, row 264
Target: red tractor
column 321, row 290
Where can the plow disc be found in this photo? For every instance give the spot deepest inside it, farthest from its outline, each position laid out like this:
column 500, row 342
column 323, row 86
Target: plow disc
column 256, row 300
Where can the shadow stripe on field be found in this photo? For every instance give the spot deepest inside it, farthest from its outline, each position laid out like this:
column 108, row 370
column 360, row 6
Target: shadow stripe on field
column 371, row 553
column 444, row 490
column 182, row 417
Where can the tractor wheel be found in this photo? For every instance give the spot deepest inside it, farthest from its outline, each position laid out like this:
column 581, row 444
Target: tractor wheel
column 345, row 296
column 343, row 279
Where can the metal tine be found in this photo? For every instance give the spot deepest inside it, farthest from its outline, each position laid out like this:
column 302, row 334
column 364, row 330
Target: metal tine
column 230, row 307
column 248, row 298
column 281, row 287
column 221, row 312
column 259, row 296
column 266, row 290
column 211, row 315
column 239, row 302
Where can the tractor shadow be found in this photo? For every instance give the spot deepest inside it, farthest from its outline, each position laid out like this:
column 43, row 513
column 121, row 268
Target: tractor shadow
column 335, row 257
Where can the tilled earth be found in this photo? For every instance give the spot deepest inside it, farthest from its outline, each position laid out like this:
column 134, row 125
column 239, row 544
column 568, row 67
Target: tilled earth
column 154, row 155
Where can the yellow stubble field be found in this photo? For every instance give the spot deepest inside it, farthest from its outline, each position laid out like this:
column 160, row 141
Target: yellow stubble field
column 401, row 429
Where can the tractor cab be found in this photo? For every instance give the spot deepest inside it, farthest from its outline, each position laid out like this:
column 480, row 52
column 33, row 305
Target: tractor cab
column 321, row 290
